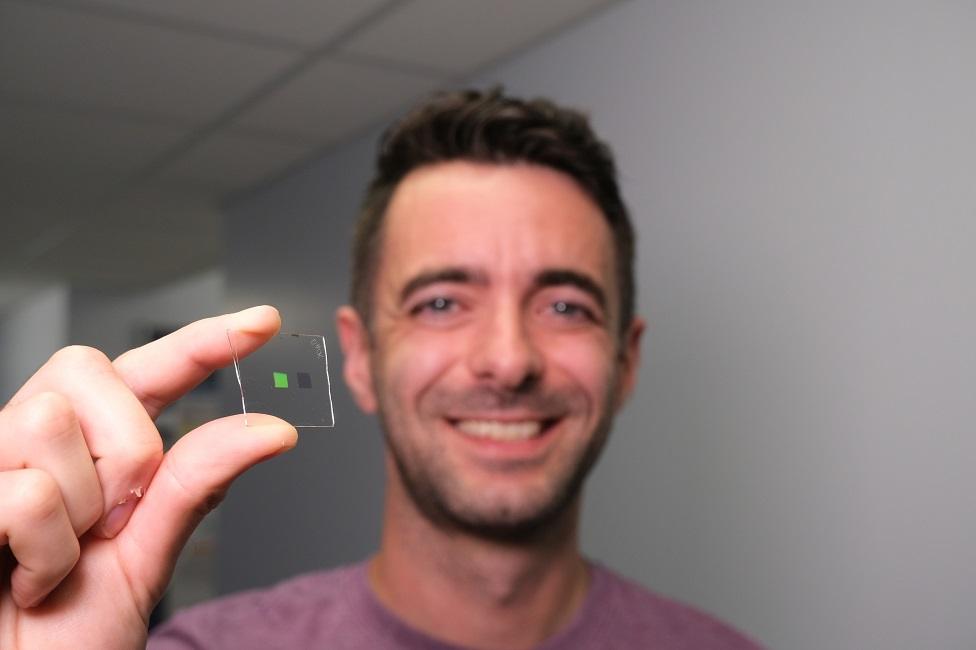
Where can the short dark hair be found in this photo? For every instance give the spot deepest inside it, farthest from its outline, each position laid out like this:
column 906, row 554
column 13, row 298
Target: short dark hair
column 487, row 126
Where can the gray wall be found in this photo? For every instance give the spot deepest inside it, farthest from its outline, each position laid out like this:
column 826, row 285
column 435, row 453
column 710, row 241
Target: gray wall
column 797, row 457
column 318, row 505
column 50, row 317
column 114, row 322
column 30, row 331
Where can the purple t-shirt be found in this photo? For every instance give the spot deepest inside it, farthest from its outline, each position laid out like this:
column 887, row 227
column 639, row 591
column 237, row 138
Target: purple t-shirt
column 337, row 610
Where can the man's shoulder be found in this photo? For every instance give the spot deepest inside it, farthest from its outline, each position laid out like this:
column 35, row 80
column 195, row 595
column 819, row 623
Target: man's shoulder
column 308, row 591
column 311, row 601
column 335, row 607
column 622, row 613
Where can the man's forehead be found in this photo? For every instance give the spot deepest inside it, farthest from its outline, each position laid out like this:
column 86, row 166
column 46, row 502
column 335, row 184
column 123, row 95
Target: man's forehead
column 518, row 218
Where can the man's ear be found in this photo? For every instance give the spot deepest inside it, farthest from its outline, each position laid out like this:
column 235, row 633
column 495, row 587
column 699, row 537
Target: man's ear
column 356, row 368
column 629, row 360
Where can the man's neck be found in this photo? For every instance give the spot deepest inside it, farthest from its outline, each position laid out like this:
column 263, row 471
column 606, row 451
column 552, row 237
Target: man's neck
column 475, row 592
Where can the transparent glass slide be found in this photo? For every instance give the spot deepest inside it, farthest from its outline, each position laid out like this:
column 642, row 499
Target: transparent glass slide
column 287, row 377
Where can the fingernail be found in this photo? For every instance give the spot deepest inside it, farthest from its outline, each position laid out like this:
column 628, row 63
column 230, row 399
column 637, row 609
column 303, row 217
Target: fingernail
column 117, row 518
column 243, row 318
column 250, row 310
column 288, row 435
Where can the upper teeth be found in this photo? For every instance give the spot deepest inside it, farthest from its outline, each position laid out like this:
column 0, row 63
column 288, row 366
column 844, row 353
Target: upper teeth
column 500, row 430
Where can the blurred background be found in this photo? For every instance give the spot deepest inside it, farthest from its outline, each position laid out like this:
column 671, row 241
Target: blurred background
column 797, row 458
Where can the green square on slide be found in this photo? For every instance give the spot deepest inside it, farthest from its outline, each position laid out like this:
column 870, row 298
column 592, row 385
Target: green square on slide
column 287, row 377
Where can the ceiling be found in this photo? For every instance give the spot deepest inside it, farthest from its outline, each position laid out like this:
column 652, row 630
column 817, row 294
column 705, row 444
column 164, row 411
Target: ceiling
column 124, row 122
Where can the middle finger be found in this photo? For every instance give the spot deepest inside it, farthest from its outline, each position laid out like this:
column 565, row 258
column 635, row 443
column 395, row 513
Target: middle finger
column 43, row 433
column 119, row 433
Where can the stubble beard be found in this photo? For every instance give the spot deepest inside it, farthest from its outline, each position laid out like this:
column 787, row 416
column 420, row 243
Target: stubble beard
column 440, row 498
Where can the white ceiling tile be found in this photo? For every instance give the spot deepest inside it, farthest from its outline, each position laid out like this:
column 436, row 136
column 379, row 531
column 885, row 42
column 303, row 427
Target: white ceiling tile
column 34, row 192
column 55, row 165
column 20, row 230
column 229, row 160
column 302, row 22
column 140, row 238
column 83, row 59
column 37, row 140
column 92, row 91
column 334, row 99
column 460, row 35
column 37, row 208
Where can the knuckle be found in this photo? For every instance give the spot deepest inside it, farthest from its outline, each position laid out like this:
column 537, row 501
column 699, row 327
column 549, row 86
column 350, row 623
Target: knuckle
column 209, row 503
column 36, row 496
column 81, row 357
column 146, row 450
column 48, row 415
column 201, row 496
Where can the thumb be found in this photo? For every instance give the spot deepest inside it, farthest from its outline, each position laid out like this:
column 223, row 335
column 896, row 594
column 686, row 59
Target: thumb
column 190, row 481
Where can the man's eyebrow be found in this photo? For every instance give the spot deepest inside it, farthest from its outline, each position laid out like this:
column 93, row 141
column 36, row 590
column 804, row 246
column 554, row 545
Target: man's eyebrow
column 455, row 274
column 558, row 277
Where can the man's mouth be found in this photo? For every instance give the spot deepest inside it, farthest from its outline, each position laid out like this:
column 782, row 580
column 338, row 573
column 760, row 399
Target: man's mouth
column 503, row 430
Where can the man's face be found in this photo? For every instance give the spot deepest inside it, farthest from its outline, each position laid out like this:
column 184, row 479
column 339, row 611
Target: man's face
column 495, row 359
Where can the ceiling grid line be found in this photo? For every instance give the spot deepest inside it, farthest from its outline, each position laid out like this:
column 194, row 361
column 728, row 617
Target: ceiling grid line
column 227, row 116
column 125, row 124
column 51, row 238
column 186, row 26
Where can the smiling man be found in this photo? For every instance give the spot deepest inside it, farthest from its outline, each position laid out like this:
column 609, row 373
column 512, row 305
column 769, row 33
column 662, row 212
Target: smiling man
column 491, row 350
column 494, row 353
column 492, row 329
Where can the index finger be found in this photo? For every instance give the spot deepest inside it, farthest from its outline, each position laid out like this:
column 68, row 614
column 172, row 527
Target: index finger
column 164, row 370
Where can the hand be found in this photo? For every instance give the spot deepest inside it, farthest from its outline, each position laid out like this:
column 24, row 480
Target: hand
column 84, row 558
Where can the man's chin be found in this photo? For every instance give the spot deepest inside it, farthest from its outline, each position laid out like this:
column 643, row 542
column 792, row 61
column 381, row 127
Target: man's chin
column 516, row 521
column 513, row 530
column 497, row 499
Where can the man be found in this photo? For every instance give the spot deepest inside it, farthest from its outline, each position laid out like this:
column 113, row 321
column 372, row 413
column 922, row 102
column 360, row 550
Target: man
column 492, row 329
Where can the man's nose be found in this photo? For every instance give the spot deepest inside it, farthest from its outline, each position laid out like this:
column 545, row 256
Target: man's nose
column 503, row 350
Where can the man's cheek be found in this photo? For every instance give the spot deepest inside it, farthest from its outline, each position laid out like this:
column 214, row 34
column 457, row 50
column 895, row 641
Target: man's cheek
column 583, row 354
column 591, row 370
column 413, row 367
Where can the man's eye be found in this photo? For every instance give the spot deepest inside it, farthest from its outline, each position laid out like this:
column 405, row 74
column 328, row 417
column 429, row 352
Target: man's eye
column 438, row 305
column 572, row 310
